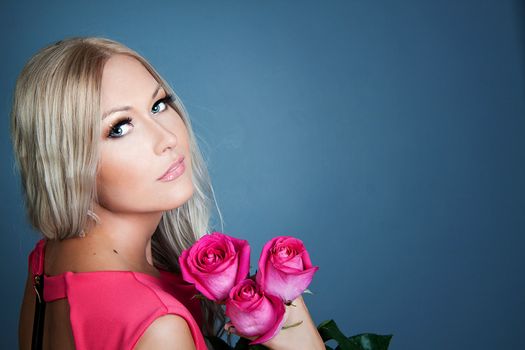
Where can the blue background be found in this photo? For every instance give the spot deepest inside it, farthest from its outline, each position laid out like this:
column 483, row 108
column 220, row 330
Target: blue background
column 388, row 135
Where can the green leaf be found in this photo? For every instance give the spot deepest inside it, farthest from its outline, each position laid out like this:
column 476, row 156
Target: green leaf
column 370, row 341
column 329, row 330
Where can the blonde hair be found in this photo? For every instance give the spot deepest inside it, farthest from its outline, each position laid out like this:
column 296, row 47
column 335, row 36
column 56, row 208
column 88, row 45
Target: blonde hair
column 55, row 125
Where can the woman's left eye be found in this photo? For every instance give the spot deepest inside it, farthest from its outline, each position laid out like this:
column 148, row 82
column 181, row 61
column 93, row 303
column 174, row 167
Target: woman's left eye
column 158, row 107
column 161, row 105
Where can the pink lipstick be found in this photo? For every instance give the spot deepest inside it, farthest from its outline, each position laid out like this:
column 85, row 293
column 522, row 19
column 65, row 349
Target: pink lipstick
column 174, row 171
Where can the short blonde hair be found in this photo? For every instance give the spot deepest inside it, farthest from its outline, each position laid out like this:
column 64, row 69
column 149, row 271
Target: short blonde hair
column 55, row 125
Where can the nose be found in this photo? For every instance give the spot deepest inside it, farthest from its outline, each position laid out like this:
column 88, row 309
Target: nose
column 165, row 139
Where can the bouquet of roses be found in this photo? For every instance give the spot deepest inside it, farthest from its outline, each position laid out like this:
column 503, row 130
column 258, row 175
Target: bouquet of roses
column 219, row 266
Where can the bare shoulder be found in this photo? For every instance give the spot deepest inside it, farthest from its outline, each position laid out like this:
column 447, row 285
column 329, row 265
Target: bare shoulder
column 167, row 332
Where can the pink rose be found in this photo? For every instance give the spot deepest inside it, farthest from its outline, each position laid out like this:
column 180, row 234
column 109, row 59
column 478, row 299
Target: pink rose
column 285, row 269
column 254, row 313
column 215, row 263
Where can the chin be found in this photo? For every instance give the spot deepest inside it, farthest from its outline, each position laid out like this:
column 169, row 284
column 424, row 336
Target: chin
column 182, row 196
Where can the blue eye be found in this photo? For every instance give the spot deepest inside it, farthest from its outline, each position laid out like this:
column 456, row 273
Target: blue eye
column 121, row 128
column 159, row 107
column 161, row 104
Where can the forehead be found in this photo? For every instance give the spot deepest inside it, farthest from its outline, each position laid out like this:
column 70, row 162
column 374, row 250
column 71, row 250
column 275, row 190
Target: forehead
column 124, row 79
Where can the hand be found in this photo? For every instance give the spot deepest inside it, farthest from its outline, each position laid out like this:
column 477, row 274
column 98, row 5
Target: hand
column 299, row 331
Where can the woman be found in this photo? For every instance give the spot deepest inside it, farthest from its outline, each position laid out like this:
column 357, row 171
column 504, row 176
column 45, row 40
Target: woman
column 114, row 180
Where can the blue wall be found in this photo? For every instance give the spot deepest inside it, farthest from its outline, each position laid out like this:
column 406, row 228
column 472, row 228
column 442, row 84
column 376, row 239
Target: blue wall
column 388, row 135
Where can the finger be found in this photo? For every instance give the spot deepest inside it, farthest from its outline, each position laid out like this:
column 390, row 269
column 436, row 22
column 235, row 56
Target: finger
column 229, row 328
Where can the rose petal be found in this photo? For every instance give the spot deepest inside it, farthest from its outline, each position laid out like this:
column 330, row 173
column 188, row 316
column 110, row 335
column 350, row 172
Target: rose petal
column 278, row 321
column 292, row 265
column 216, row 286
column 265, row 253
column 288, row 286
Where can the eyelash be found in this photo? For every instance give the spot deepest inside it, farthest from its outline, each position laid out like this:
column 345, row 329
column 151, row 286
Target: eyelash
column 113, row 128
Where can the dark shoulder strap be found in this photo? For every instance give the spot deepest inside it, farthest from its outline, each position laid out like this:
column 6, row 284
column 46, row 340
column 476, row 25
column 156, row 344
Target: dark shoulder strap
column 40, row 310
column 36, row 261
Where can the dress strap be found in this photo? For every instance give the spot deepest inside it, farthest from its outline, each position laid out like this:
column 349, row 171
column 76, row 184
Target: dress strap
column 36, row 258
column 54, row 286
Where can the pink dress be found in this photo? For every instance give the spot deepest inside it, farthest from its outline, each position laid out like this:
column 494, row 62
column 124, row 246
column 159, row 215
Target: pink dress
column 112, row 309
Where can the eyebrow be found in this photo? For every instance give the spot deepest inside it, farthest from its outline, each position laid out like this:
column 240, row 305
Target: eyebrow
column 127, row 108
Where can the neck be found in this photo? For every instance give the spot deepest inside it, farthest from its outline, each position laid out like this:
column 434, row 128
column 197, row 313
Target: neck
column 128, row 235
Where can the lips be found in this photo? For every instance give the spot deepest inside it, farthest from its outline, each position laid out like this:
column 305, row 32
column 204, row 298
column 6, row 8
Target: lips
column 174, row 171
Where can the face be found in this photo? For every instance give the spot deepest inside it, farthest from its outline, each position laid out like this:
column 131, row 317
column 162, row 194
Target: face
column 145, row 163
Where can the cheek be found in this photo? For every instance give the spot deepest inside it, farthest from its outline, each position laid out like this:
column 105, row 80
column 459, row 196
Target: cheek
column 118, row 176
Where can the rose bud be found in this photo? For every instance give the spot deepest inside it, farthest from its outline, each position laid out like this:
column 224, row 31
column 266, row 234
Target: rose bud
column 215, row 263
column 254, row 313
column 285, row 269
